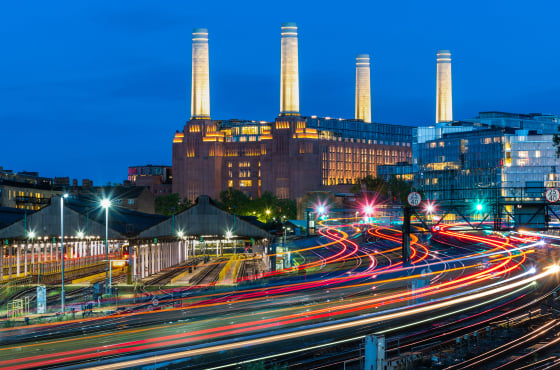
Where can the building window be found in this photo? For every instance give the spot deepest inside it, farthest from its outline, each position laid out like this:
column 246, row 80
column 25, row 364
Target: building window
column 245, row 183
column 230, row 183
column 131, row 201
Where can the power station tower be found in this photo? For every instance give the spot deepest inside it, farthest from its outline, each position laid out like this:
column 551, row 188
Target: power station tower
column 289, row 72
column 200, row 85
column 444, row 101
column 363, row 89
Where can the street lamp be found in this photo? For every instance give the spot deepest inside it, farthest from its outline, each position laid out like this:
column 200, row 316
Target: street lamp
column 430, row 208
column 229, row 235
column 180, row 235
column 286, row 228
column 106, row 203
column 62, row 296
column 267, row 214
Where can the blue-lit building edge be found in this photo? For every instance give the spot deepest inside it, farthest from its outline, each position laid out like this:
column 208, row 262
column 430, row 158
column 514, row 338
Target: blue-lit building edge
column 497, row 156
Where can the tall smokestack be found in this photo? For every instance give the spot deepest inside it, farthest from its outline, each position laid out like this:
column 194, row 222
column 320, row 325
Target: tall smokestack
column 289, row 75
column 363, row 90
column 444, row 104
column 200, row 87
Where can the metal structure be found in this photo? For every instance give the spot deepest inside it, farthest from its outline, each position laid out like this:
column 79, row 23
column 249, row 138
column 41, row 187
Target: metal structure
column 498, row 208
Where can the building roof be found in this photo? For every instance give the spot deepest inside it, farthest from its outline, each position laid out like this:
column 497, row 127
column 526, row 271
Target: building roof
column 10, row 215
column 204, row 218
column 79, row 216
column 125, row 221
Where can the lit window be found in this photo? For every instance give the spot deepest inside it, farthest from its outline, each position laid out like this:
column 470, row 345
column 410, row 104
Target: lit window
column 245, row 183
column 131, row 201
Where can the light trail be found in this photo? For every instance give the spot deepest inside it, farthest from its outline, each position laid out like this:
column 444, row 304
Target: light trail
column 337, row 237
column 526, row 283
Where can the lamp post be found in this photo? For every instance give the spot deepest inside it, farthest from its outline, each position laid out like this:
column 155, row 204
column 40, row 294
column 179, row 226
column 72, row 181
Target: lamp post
column 229, row 234
column 180, row 236
column 62, row 295
column 106, row 203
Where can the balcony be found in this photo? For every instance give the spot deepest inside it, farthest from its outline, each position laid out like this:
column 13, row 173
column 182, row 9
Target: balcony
column 31, row 200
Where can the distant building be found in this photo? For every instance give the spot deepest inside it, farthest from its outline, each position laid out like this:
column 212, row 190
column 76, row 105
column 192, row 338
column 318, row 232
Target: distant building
column 87, row 183
column 134, row 198
column 157, row 178
column 62, row 181
column 26, row 190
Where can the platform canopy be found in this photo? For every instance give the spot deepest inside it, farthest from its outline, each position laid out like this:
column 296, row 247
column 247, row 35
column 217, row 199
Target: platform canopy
column 79, row 217
column 204, row 219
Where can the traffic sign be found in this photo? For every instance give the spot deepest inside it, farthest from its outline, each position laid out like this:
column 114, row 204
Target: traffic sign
column 414, row 198
column 552, row 195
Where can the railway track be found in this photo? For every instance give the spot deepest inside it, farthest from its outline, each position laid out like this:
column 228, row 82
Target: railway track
column 210, row 274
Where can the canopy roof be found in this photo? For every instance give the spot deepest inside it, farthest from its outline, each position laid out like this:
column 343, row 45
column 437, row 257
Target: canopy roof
column 204, row 218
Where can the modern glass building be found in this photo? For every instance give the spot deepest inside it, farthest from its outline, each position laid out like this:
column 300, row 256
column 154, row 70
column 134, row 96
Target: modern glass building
column 502, row 158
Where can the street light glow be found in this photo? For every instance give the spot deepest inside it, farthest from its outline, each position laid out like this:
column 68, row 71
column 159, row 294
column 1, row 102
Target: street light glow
column 479, row 207
column 368, row 210
column 80, row 234
column 31, row 234
column 106, row 203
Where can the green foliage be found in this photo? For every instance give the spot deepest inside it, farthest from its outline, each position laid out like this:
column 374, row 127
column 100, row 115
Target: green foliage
column 170, row 204
column 399, row 189
column 235, row 201
column 396, row 189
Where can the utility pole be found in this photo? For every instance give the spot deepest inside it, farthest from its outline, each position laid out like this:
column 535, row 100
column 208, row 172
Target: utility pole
column 407, row 211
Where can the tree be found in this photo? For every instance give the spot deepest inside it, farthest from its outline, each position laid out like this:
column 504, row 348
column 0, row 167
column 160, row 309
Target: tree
column 371, row 184
column 396, row 189
column 170, row 204
column 399, row 189
column 235, row 201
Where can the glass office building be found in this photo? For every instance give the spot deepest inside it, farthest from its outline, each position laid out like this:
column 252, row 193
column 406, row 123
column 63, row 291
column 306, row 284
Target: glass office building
column 495, row 155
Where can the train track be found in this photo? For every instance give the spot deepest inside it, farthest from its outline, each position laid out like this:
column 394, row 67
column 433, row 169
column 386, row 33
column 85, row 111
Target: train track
column 210, row 274
column 165, row 277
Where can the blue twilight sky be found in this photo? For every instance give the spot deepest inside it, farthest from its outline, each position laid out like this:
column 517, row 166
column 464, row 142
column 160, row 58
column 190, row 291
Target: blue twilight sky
column 89, row 88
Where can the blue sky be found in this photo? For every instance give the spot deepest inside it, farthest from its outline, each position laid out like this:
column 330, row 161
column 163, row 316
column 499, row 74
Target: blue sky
column 89, row 88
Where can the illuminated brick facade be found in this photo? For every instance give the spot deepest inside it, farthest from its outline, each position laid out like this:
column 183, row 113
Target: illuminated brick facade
column 287, row 157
